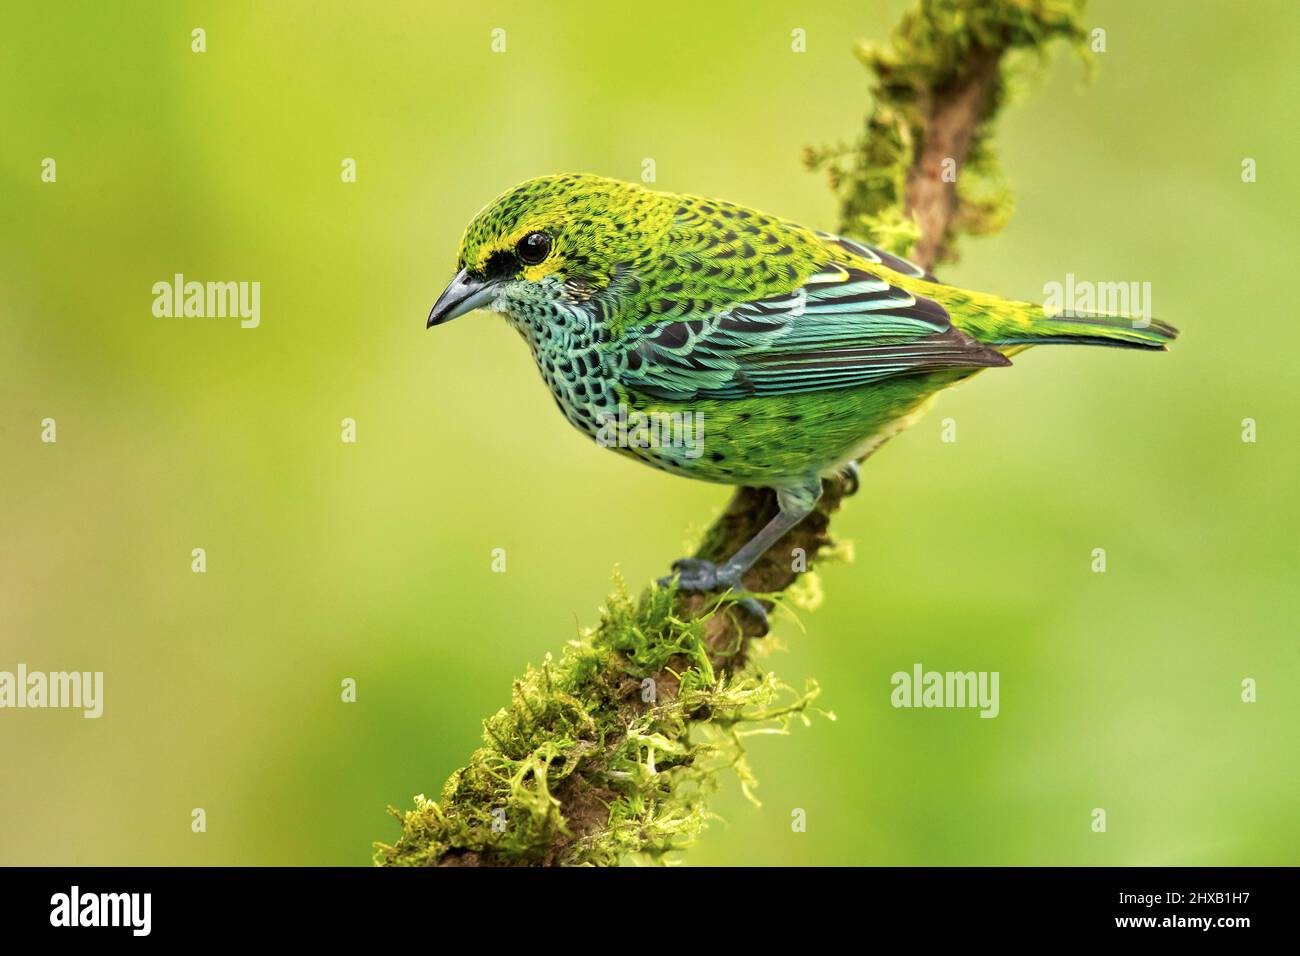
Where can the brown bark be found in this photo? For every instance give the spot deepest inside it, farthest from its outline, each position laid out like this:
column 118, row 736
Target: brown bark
column 951, row 116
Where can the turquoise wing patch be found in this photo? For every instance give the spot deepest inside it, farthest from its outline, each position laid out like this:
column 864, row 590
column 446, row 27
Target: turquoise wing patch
column 842, row 328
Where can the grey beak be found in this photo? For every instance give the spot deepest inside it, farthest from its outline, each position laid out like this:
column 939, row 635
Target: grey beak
column 465, row 294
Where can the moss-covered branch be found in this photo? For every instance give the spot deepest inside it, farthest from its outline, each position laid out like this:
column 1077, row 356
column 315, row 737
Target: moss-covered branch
column 613, row 750
column 937, row 87
column 595, row 758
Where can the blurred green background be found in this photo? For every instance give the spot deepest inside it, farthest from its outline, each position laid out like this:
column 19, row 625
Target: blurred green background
column 1119, row 690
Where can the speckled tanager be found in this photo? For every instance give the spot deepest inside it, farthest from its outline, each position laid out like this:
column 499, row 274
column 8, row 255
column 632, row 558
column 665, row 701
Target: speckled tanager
column 721, row 343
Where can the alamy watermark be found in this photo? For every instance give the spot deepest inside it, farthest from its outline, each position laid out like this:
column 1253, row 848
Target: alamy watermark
column 633, row 429
column 1079, row 299
column 55, row 689
column 922, row 688
column 130, row 910
column 208, row 300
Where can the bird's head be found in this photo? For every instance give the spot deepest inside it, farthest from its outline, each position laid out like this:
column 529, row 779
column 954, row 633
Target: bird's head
column 550, row 238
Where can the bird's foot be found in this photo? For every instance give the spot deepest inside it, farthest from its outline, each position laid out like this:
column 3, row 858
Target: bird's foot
column 852, row 479
column 696, row 574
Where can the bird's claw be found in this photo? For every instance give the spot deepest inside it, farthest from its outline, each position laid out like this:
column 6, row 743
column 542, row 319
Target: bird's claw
column 696, row 574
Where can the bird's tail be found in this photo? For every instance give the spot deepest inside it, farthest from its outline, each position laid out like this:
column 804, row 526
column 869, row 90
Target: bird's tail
column 1089, row 329
column 1011, row 326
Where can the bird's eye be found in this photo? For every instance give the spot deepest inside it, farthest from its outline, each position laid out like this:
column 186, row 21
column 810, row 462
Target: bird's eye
column 533, row 248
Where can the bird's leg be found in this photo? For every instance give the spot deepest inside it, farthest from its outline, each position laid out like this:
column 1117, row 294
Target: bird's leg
column 852, row 478
column 696, row 574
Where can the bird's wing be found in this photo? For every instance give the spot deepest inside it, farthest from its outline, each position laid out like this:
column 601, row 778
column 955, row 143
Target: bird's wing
column 843, row 326
column 877, row 255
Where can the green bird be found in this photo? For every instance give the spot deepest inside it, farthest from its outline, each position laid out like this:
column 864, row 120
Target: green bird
column 721, row 343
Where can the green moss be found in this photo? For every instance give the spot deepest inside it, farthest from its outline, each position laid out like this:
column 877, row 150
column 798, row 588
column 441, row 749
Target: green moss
column 580, row 768
column 934, row 43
